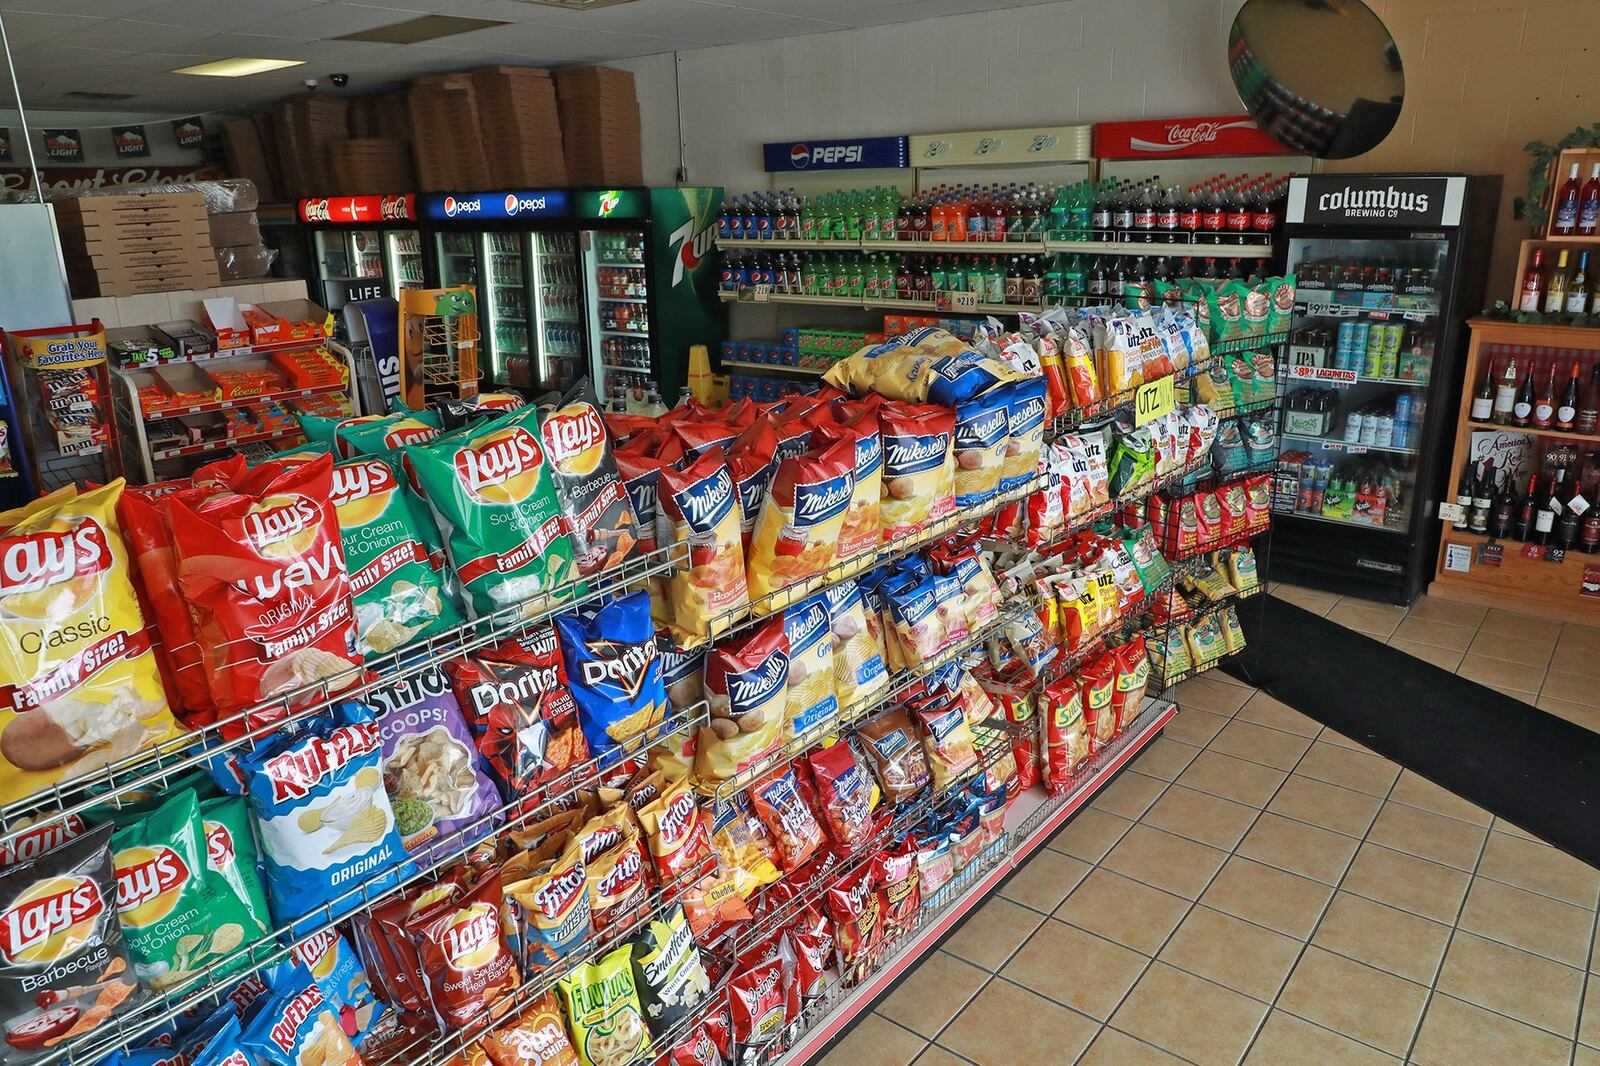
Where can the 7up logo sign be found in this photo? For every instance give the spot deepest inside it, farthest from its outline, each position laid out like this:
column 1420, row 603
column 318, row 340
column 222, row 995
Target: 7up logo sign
column 689, row 246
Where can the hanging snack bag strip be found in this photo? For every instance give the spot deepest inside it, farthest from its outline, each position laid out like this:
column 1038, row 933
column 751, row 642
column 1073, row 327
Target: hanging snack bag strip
column 81, row 688
column 797, row 532
column 599, row 514
column 700, row 507
column 398, row 595
column 263, row 570
column 746, row 684
column 493, row 495
column 323, row 817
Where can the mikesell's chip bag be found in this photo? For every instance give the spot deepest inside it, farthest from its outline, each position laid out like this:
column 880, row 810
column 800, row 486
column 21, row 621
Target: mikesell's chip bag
column 263, row 570
column 862, row 532
column 80, row 685
column 918, row 468
column 324, row 819
column 797, row 533
column 63, row 967
column 603, row 523
column 493, row 495
column 700, row 507
column 747, row 686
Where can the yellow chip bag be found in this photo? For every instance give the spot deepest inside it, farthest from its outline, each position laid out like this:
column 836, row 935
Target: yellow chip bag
column 699, row 507
column 796, row 538
column 919, row 466
column 81, row 684
column 890, row 369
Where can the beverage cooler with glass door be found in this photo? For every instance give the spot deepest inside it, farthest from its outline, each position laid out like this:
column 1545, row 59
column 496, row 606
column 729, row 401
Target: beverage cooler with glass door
column 1387, row 269
column 362, row 248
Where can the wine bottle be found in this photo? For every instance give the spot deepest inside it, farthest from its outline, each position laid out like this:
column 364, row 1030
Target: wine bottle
column 1567, row 410
column 1483, row 399
column 1504, row 504
column 1544, row 409
column 1482, row 499
column 1589, row 407
column 1464, row 499
column 1567, row 523
column 1544, row 522
column 1523, row 530
column 1522, row 410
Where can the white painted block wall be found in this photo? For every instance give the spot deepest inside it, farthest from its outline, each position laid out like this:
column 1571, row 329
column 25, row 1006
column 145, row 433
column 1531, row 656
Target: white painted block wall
column 1046, row 64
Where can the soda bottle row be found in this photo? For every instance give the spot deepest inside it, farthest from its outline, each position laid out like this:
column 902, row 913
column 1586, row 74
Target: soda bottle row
column 1337, row 272
column 1226, row 209
column 625, row 318
column 617, row 283
column 633, row 394
column 562, row 340
column 1367, row 491
column 625, row 353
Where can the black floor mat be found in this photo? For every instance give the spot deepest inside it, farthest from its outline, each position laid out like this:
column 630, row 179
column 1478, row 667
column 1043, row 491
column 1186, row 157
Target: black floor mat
column 1537, row 771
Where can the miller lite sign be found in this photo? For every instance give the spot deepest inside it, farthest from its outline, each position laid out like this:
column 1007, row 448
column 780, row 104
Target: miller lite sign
column 1183, row 138
column 861, row 153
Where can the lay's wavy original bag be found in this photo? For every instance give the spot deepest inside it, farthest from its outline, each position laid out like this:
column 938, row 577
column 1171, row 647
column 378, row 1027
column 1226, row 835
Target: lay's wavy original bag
column 398, row 595
column 796, row 538
column 495, row 500
column 80, row 684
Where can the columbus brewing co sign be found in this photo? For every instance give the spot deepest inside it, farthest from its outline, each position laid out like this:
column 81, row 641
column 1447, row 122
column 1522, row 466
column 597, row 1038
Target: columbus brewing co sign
column 1414, row 200
column 1183, row 138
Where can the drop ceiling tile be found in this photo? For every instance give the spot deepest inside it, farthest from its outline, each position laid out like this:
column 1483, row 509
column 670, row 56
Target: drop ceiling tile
column 132, row 34
column 209, row 14
column 328, row 20
column 27, row 27
column 97, row 8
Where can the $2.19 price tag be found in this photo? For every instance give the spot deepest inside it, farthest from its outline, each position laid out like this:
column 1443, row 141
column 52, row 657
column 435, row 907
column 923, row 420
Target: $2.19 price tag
column 760, row 293
column 1152, row 400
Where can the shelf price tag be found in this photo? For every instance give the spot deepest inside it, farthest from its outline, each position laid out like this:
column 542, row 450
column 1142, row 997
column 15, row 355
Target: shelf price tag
column 1452, row 512
column 760, row 293
column 1152, row 400
column 944, row 300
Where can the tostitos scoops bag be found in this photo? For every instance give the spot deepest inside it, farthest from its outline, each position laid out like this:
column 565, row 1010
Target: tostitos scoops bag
column 700, row 507
column 81, row 688
column 493, row 494
column 797, row 533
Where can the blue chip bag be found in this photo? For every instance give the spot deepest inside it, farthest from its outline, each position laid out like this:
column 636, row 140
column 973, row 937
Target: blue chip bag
column 226, row 1048
column 614, row 671
column 323, row 817
column 957, row 378
column 336, row 968
column 295, row 1024
column 982, row 436
column 810, row 702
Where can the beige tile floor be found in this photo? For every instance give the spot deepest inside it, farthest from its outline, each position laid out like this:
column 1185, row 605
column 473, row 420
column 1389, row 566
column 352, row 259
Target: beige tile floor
column 1256, row 888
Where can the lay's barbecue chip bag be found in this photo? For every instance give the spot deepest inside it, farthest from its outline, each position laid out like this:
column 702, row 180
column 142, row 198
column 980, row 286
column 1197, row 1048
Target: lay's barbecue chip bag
column 79, row 687
column 492, row 491
column 599, row 513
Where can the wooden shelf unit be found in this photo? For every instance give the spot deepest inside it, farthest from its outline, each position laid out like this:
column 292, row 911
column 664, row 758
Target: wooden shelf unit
column 1519, row 583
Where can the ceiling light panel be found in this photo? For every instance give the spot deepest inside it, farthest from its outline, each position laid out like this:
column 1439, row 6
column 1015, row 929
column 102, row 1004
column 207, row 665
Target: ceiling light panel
column 238, row 67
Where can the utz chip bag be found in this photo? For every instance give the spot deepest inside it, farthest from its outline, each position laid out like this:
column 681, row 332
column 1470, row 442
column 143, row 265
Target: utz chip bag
column 599, row 513
column 263, row 569
column 603, row 1010
column 746, row 685
column 493, row 493
column 536, row 1037
column 177, row 914
column 700, row 507
column 797, row 532
column 463, row 952
column 918, row 468
column 64, row 967
column 810, row 704
column 325, row 822
column 614, row 670
column 399, row 597
column 431, row 766
column 81, row 685
column 295, row 1025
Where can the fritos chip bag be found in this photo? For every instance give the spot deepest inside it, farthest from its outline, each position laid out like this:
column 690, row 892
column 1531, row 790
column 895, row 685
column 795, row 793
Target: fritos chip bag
column 553, row 906
column 918, row 468
column 796, row 535
column 493, row 493
column 678, row 832
column 614, row 671
column 63, row 963
column 324, row 819
column 599, row 513
column 399, row 597
column 700, row 507
column 603, row 1010
column 746, row 683
column 81, row 687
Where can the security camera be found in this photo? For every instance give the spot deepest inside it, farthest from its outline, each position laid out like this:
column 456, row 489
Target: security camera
column 311, row 85
column 339, row 80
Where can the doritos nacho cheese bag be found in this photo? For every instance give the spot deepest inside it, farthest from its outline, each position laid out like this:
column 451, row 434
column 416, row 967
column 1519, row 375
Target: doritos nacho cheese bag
column 700, row 507
column 601, row 518
column 81, row 687
column 614, row 671
column 398, row 595
column 797, row 533
column 263, row 570
column 492, row 492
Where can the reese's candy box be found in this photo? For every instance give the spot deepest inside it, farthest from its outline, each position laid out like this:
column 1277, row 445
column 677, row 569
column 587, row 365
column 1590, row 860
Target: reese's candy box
column 325, row 821
column 79, row 686
column 603, row 523
column 295, row 1025
column 64, row 967
column 614, row 671
column 493, row 495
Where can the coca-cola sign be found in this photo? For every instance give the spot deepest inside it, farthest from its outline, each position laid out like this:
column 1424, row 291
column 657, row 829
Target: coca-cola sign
column 359, row 209
column 1183, row 138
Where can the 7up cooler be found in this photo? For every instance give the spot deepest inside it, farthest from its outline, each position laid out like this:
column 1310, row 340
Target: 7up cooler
column 683, row 223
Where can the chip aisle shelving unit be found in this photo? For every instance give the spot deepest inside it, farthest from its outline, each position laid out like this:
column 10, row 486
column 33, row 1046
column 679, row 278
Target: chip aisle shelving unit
column 1033, row 816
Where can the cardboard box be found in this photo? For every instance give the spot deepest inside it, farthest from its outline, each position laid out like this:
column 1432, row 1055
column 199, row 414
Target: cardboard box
column 234, row 228
column 226, row 319
column 299, row 319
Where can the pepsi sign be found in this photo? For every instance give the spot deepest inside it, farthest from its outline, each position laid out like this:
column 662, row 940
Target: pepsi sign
column 524, row 203
column 861, row 153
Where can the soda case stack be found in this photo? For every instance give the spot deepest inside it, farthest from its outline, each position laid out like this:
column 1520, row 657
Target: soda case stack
column 765, row 389
column 1226, row 209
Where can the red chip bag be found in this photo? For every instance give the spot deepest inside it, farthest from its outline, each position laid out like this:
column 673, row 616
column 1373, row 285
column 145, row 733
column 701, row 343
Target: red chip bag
column 757, row 1004
column 816, row 967
column 707, row 1044
column 856, row 908
column 1133, row 674
column 149, row 540
column 1019, row 710
column 781, row 805
column 1098, row 679
column 680, row 841
column 262, row 568
column 845, row 795
column 898, row 895
column 462, row 948
column 752, row 457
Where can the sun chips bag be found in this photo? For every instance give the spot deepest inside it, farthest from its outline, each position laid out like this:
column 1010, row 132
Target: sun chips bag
column 81, row 688
column 494, row 496
column 263, row 570
column 796, row 537
column 700, row 507
column 603, row 524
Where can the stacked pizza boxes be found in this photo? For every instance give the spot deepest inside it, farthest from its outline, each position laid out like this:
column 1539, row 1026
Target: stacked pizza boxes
column 134, row 243
column 444, row 127
column 599, row 125
column 520, row 125
column 249, row 157
column 304, row 127
column 364, row 166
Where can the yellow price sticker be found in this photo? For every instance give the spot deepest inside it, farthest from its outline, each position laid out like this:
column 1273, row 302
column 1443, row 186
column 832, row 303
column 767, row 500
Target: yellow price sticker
column 1152, row 400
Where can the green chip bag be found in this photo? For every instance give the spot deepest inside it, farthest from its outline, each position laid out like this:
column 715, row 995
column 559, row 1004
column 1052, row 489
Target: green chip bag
column 177, row 914
column 492, row 493
column 603, row 1009
column 320, row 429
column 231, row 854
column 300, row 453
column 398, row 430
column 399, row 596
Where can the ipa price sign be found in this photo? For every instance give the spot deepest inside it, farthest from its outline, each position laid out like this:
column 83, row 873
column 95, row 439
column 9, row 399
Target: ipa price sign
column 1152, row 400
